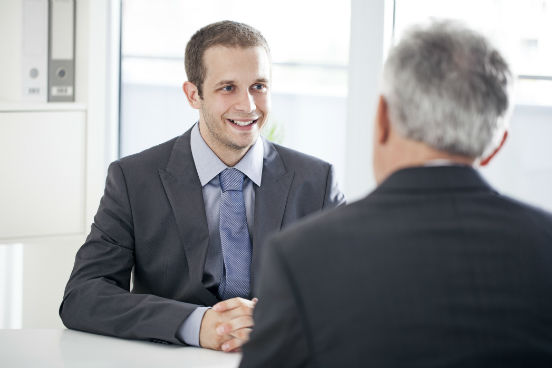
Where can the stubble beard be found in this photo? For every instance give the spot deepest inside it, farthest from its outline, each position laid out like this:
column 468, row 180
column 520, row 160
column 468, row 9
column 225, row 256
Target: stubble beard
column 219, row 137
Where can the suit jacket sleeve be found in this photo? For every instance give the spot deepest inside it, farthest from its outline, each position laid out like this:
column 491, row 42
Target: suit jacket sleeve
column 97, row 297
column 279, row 338
column 333, row 196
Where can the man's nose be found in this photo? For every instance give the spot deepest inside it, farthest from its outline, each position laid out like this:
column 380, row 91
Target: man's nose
column 246, row 102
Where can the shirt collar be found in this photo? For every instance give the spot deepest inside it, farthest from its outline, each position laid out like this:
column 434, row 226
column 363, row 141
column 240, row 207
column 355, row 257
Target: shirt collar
column 443, row 162
column 208, row 165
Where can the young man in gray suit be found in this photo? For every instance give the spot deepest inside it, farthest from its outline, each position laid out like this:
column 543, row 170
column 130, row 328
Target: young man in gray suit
column 188, row 218
column 434, row 268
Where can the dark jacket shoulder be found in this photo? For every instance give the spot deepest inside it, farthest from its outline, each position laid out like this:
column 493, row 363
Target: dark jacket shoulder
column 527, row 215
column 292, row 159
column 152, row 158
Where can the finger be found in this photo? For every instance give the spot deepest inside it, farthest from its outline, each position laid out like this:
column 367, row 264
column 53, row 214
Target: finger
column 217, row 341
column 232, row 345
column 242, row 311
column 233, row 303
column 234, row 324
column 255, row 300
column 242, row 333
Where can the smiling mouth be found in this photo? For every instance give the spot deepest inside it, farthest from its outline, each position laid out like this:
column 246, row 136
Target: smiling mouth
column 243, row 123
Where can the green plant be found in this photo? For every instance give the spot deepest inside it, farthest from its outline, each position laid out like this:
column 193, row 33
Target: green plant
column 273, row 131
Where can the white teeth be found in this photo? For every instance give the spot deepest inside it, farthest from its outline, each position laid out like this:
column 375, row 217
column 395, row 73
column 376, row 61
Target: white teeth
column 242, row 123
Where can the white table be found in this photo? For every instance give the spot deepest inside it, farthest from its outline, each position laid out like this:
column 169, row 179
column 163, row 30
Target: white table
column 74, row 349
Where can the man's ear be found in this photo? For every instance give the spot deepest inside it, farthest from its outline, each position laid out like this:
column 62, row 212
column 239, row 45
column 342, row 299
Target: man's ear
column 485, row 161
column 192, row 94
column 383, row 125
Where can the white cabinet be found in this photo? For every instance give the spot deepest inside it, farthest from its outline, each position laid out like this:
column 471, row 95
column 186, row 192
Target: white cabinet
column 42, row 170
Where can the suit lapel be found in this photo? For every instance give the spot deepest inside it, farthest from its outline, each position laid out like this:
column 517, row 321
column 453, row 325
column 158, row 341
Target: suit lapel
column 185, row 195
column 270, row 201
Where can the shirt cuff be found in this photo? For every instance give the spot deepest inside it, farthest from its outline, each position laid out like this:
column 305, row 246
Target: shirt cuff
column 188, row 332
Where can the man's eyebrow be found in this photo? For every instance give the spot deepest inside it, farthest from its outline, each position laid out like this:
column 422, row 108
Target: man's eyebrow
column 224, row 82
column 231, row 82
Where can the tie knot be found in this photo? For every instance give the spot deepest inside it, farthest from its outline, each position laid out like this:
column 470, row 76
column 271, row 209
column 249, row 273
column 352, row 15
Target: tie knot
column 231, row 179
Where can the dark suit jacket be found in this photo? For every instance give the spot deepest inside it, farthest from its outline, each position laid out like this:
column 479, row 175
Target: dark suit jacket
column 152, row 220
column 432, row 269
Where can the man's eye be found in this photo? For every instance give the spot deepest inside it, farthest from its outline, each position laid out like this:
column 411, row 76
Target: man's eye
column 228, row 88
column 259, row 87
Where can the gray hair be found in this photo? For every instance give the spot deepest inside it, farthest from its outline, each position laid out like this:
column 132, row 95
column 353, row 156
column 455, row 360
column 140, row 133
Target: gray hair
column 447, row 86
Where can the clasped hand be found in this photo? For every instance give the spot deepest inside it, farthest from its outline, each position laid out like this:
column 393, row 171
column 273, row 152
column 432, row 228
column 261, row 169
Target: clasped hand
column 227, row 325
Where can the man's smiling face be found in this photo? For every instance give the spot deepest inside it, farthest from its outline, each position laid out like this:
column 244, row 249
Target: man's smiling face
column 236, row 97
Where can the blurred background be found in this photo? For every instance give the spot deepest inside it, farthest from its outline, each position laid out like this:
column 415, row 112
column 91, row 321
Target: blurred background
column 327, row 57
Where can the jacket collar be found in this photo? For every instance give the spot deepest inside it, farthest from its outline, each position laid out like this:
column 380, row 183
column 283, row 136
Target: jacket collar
column 433, row 178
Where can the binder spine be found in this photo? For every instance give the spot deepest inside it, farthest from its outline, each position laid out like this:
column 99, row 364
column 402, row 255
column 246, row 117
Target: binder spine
column 34, row 50
column 61, row 59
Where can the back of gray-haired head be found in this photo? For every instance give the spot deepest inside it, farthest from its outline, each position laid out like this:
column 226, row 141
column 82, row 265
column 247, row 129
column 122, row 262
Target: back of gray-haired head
column 448, row 87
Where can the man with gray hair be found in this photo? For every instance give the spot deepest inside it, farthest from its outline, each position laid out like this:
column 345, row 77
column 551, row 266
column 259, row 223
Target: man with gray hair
column 434, row 268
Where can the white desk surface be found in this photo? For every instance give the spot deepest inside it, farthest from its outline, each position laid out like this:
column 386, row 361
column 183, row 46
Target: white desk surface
column 74, row 349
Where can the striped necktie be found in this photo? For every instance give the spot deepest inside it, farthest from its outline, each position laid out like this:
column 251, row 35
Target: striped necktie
column 234, row 236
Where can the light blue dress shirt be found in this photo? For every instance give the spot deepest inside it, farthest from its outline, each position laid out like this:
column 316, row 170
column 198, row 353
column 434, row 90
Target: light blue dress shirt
column 208, row 167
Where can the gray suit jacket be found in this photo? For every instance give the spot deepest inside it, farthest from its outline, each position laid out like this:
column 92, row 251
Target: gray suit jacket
column 432, row 269
column 152, row 221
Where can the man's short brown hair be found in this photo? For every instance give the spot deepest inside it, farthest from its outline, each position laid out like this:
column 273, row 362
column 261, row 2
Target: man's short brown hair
column 225, row 33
